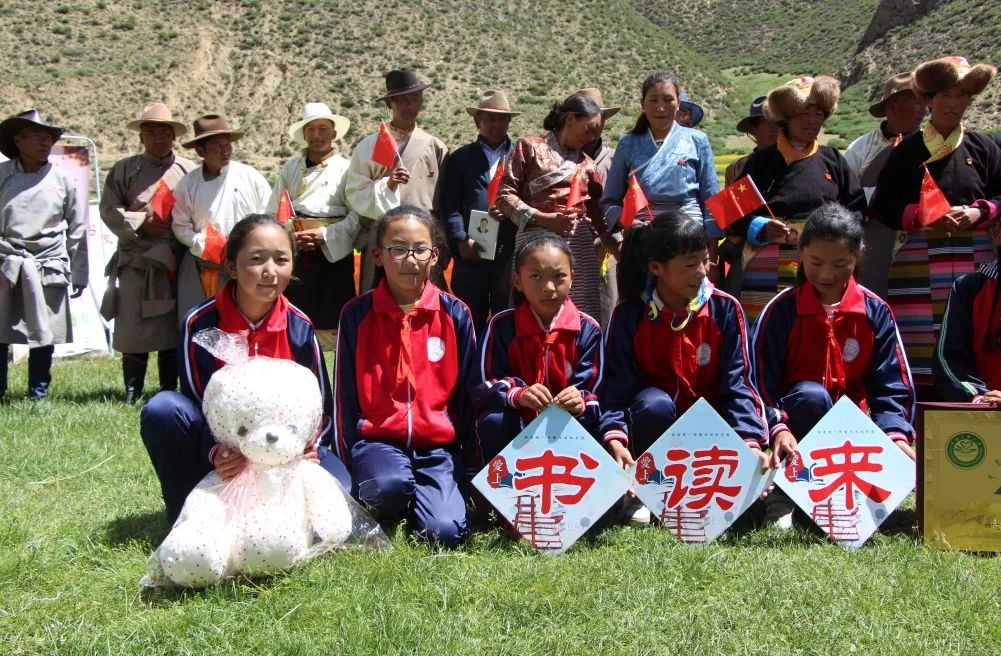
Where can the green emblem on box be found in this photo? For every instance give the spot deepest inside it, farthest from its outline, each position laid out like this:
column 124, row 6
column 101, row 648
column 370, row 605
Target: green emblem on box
column 966, row 450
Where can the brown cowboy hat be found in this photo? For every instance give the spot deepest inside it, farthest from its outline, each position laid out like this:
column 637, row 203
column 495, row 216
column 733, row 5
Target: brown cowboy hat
column 794, row 96
column 209, row 126
column 14, row 124
column 940, row 74
column 595, row 94
column 156, row 112
column 400, row 82
column 899, row 83
column 493, row 102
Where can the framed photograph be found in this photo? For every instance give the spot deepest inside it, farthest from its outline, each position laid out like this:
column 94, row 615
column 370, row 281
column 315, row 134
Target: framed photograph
column 483, row 230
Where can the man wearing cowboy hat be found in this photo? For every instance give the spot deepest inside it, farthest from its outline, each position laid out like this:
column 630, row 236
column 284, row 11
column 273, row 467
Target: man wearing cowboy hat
column 325, row 233
column 141, row 295
column 483, row 284
column 901, row 110
column 220, row 192
column 43, row 248
column 372, row 189
column 607, row 245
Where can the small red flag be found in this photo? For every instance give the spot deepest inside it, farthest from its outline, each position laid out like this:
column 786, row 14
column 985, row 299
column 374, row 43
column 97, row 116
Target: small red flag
column 494, row 185
column 634, row 201
column 215, row 245
column 735, row 201
column 162, row 201
column 386, row 152
column 576, row 194
column 285, row 212
column 933, row 204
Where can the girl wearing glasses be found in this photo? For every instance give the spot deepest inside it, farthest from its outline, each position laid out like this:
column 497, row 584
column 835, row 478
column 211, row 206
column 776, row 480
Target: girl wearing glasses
column 405, row 354
column 672, row 339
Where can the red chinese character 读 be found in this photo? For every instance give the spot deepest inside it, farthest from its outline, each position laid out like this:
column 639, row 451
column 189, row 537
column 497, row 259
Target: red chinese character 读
column 847, row 469
column 710, row 467
column 556, row 470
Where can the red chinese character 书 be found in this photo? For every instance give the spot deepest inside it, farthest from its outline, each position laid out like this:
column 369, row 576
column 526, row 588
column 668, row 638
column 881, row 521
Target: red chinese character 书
column 847, row 469
column 556, row 470
column 710, row 467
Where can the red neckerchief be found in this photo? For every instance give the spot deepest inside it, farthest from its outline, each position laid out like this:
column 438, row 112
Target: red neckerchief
column 809, row 306
column 383, row 301
column 270, row 339
column 533, row 337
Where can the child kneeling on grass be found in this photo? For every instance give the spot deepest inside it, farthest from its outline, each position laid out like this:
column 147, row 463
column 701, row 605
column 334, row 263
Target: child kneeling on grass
column 258, row 261
column 828, row 337
column 672, row 339
column 406, row 352
column 542, row 351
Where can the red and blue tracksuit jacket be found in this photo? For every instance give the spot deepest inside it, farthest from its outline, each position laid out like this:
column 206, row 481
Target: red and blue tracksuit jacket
column 707, row 358
column 403, row 378
column 517, row 351
column 967, row 360
column 858, row 353
column 286, row 331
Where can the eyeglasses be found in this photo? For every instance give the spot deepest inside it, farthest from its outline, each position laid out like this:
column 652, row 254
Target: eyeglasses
column 421, row 253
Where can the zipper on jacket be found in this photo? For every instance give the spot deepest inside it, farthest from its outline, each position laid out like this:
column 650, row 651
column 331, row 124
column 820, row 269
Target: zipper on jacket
column 410, row 419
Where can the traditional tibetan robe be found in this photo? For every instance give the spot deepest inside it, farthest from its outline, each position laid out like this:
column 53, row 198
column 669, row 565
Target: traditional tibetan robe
column 237, row 191
column 43, row 250
column 927, row 262
column 537, row 179
column 141, row 295
column 324, row 280
column 368, row 194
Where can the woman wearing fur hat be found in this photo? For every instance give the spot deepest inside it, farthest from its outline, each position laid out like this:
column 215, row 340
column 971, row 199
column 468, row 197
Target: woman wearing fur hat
column 935, row 250
column 796, row 176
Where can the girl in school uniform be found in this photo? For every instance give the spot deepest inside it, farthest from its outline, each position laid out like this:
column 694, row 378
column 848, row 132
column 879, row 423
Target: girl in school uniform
column 967, row 364
column 405, row 355
column 828, row 337
column 258, row 261
column 542, row 351
column 673, row 339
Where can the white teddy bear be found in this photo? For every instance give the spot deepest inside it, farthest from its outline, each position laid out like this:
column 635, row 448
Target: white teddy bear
column 280, row 510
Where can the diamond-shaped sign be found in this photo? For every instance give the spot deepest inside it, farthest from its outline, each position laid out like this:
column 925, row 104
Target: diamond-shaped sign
column 847, row 475
column 553, row 481
column 699, row 476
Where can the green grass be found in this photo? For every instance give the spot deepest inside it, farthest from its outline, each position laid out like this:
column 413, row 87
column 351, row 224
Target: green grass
column 81, row 513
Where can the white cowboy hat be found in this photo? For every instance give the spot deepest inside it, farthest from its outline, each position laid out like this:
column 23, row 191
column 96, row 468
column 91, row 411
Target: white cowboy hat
column 313, row 112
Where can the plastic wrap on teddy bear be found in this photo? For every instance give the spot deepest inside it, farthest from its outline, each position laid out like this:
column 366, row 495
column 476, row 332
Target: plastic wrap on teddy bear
column 280, row 510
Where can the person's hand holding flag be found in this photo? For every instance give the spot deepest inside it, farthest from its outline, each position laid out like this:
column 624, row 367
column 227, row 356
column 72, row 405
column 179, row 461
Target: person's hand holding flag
column 386, row 153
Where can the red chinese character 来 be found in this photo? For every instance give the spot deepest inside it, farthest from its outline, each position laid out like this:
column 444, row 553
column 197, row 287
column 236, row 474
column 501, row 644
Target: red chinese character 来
column 556, row 470
column 846, row 470
column 710, row 466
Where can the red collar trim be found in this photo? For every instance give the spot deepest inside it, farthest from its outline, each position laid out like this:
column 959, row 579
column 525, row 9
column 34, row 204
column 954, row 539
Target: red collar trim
column 383, row 301
column 526, row 322
column 808, row 301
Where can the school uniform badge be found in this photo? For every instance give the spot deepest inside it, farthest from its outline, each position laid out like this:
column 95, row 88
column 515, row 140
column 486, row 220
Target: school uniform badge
column 436, row 349
column 851, row 349
column 552, row 482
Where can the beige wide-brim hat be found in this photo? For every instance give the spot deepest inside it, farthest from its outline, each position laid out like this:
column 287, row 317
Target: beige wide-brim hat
column 942, row 74
column 156, row 112
column 316, row 111
column 793, row 97
column 595, row 94
column 900, row 83
column 209, row 126
column 493, row 102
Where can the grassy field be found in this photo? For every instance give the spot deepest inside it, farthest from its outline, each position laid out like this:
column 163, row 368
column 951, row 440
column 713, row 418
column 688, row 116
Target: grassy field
column 81, row 513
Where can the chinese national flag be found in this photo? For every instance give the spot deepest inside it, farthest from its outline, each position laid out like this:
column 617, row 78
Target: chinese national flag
column 576, row 194
column 735, row 201
column 933, row 204
column 285, row 211
column 162, row 201
column 215, row 245
column 634, row 201
column 386, row 152
column 494, row 185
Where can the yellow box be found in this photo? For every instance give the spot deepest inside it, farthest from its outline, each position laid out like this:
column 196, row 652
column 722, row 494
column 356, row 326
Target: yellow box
column 959, row 476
